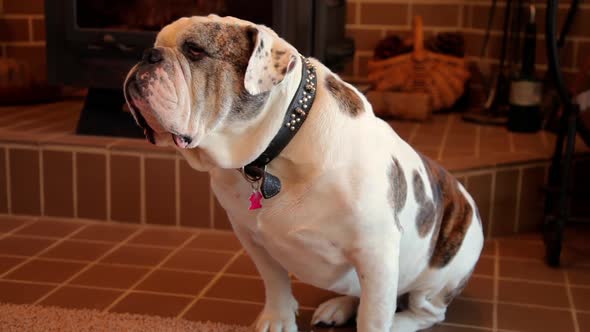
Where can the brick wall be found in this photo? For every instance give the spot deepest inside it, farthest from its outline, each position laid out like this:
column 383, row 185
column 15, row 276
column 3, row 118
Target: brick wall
column 369, row 21
column 22, row 32
column 22, row 29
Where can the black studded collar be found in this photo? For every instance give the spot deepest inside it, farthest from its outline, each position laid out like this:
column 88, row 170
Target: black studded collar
column 255, row 172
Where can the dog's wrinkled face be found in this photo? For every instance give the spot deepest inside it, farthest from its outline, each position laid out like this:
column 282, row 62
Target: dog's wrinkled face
column 203, row 74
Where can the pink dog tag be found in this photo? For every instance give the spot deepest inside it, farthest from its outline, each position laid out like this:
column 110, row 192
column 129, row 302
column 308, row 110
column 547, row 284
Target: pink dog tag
column 255, row 200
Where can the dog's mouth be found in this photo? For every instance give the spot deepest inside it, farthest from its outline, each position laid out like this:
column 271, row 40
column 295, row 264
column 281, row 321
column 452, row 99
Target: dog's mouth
column 148, row 132
column 180, row 140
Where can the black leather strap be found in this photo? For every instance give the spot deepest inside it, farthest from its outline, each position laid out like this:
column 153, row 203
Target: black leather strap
column 295, row 116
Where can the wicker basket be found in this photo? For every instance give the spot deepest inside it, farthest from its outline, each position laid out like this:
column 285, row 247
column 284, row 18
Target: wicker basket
column 441, row 77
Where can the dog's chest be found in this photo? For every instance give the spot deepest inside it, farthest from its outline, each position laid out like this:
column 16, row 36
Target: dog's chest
column 303, row 237
column 306, row 252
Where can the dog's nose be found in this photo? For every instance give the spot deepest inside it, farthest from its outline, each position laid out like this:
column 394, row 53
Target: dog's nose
column 152, row 56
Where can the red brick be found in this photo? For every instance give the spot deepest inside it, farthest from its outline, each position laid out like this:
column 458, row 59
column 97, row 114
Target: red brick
column 350, row 13
column 14, row 29
column 24, row 6
column 480, row 14
column 561, row 15
column 39, row 29
column 473, row 43
column 437, row 15
column 566, row 58
column 402, row 33
column 583, row 56
column 494, row 47
column 364, row 39
column 363, row 71
column 581, row 26
column 384, row 13
column 34, row 55
column 467, row 16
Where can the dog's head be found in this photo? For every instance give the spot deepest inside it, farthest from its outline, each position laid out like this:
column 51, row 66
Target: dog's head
column 205, row 74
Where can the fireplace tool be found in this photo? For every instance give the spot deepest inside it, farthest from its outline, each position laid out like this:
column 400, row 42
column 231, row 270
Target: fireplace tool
column 557, row 212
column 495, row 106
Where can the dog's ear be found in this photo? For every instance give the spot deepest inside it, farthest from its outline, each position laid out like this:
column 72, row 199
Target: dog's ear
column 271, row 60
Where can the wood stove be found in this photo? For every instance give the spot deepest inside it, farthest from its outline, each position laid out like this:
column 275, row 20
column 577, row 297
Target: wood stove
column 94, row 43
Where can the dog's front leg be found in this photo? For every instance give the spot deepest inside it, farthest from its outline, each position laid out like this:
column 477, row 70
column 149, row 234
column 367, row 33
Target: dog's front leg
column 376, row 260
column 280, row 307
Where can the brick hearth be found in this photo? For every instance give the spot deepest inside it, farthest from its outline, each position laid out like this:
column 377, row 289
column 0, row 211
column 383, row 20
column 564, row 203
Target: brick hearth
column 45, row 170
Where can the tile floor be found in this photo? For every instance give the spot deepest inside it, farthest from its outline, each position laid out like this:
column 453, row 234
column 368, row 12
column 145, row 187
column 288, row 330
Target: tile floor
column 205, row 275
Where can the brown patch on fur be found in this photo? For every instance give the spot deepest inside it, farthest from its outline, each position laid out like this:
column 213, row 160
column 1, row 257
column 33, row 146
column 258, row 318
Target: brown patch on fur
column 230, row 43
column 398, row 190
column 453, row 214
column 350, row 102
column 426, row 213
column 452, row 294
column 228, row 48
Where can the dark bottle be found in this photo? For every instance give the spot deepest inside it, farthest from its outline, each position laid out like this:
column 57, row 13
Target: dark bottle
column 524, row 113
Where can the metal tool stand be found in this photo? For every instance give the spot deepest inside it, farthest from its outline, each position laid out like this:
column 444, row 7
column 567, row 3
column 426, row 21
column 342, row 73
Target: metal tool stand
column 557, row 211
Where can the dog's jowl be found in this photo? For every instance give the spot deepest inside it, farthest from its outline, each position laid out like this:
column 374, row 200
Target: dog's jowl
column 359, row 212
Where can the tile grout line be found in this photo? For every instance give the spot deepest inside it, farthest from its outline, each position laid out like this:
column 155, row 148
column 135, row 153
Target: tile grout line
column 231, row 300
column 112, row 289
column 496, row 285
column 12, row 232
column 177, row 190
column 477, row 142
column 355, row 65
column 576, row 48
column 126, row 225
column 74, row 261
column 518, row 194
column 142, row 208
column 49, row 146
column 108, row 185
column 544, row 140
column 414, row 132
column 75, row 183
column 492, row 202
column 532, row 305
column 41, row 252
column 479, row 328
column 150, row 272
column 41, row 183
column 31, row 30
column 89, row 265
column 570, row 299
column 357, row 13
column 443, row 141
column 460, row 16
column 211, row 283
column 211, row 209
column 8, row 180
column 409, row 14
column 139, row 245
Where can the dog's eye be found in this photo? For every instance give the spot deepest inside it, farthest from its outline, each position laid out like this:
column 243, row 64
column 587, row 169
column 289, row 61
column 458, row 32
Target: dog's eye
column 193, row 51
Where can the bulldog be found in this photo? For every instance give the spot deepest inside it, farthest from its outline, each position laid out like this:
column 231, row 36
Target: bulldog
column 314, row 184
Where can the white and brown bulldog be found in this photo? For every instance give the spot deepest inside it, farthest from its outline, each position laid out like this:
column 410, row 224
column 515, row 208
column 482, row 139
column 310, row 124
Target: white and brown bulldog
column 359, row 212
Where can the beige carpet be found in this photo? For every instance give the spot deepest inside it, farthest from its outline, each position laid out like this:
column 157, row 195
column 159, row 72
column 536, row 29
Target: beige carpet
column 45, row 319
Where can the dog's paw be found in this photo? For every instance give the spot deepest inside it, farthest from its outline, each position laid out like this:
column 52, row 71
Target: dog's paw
column 336, row 311
column 274, row 321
